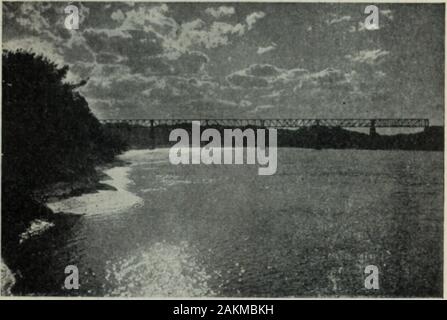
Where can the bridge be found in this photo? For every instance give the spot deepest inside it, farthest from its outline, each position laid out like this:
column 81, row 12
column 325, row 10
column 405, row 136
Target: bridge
column 281, row 123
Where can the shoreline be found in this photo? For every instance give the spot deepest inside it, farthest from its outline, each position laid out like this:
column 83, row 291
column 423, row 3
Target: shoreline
column 89, row 183
column 103, row 192
column 113, row 199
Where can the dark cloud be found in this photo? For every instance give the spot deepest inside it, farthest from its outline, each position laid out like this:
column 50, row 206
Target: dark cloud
column 78, row 53
column 107, row 58
column 246, row 81
column 164, row 59
column 262, row 70
column 132, row 44
column 192, row 62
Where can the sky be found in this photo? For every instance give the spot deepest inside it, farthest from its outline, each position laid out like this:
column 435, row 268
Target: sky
column 242, row 60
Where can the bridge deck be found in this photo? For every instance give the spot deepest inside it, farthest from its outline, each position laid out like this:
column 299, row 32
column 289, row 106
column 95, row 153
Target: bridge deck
column 281, row 123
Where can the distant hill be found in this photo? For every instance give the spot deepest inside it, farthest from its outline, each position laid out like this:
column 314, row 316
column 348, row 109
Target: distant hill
column 315, row 137
column 338, row 138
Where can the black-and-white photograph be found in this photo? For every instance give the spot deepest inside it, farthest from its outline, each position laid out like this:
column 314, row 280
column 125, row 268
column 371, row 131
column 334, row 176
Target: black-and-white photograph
column 222, row 150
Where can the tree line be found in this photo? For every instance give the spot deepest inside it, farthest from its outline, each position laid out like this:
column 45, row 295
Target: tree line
column 49, row 133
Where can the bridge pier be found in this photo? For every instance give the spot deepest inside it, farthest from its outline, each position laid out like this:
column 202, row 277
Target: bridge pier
column 372, row 129
column 318, row 136
column 426, row 125
column 152, row 134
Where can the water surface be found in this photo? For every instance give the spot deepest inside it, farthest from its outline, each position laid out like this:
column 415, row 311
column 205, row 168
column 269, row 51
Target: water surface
column 223, row 230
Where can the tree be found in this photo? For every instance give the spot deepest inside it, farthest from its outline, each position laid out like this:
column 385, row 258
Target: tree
column 49, row 133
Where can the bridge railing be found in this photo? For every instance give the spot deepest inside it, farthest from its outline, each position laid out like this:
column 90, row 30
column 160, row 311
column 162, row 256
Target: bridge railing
column 281, row 123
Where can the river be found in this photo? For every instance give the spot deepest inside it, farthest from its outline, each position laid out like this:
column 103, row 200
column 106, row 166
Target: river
column 223, row 230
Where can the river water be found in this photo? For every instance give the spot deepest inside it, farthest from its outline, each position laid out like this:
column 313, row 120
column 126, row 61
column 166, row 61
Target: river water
column 223, row 230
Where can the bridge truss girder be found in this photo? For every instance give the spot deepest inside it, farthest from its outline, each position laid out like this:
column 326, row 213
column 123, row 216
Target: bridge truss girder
column 280, row 123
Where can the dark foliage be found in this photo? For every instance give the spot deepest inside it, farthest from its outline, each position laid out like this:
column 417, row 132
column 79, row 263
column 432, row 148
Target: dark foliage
column 48, row 132
column 316, row 137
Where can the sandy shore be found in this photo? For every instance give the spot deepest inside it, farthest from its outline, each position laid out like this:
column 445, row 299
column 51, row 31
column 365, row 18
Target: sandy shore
column 102, row 201
column 117, row 198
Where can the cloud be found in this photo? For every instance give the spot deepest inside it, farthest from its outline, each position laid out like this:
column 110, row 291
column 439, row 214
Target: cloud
column 145, row 38
column 329, row 78
column 256, row 75
column 175, row 91
column 208, row 107
column 357, row 28
column 264, row 75
column 132, row 47
column 246, row 81
column 80, row 71
column 106, row 78
column 352, row 29
column 142, row 61
column 387, row 14
column 150, row 19
column 135, row 52
column 270, row 88
column 45, row 20
column 177, row 37
column 196, row 33
column 252, row 18
column 108, row 58
column 245, row 103
column 273, row 94
column 76, row 50
column 360, row 26
column 220, row 11
column 368, row 56
column 226, row 28
column 261, row 108
column 191, row 62
column 337, row 19
column 139, row 95
column 262, row 50
column 262, row 70
column 118, row 15
column 38, row 46
column 31, row 17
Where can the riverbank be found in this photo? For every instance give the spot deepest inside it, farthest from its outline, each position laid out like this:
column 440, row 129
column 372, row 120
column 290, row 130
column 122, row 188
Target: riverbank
column 314, row 137
column 61, row 204
column 114, row 198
